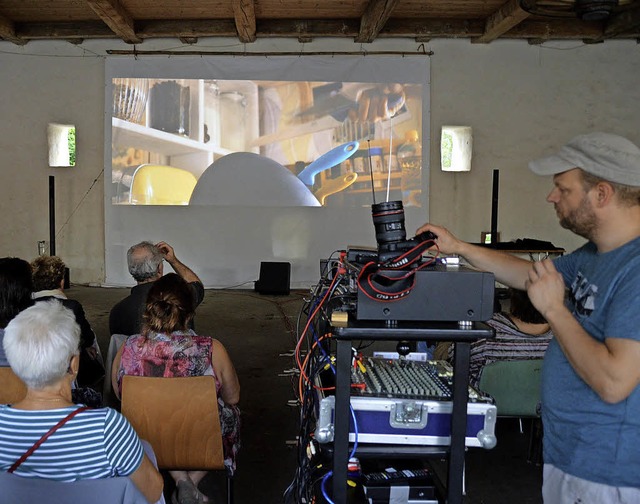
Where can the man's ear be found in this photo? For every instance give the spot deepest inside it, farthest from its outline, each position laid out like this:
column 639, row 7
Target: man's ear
column 604, row 192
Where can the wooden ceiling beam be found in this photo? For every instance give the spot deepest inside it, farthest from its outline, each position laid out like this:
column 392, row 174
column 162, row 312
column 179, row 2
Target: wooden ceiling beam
column 374, row 18
column 117, row 18
column 8, row 32
column 501, row 21
column 307, row 29
column 244, row 13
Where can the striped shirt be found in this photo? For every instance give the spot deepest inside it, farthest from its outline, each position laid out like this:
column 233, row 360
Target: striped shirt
column 509, row 344
column 96, row 443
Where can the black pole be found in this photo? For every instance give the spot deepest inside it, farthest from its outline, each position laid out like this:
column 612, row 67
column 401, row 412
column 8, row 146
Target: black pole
column 52, row 216
column 494, row 208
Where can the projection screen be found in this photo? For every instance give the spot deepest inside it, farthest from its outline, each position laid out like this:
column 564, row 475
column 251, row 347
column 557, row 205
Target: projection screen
column 238, row 160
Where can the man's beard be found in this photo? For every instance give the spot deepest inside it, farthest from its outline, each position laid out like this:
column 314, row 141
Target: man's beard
column 582, row 220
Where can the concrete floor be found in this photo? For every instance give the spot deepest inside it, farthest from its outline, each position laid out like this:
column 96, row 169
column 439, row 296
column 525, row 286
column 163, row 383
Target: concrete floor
column 257, row 330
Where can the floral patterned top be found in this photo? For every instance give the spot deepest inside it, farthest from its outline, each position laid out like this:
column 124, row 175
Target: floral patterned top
column 181, row 354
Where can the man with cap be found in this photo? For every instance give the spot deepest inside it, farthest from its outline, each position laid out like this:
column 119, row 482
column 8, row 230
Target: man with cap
column 591, row 299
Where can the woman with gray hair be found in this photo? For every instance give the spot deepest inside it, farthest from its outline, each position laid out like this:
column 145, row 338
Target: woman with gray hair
column 41, row 344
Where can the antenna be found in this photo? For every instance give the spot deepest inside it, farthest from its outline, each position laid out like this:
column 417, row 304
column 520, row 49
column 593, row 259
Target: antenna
column 373, row 189
column 390, row 151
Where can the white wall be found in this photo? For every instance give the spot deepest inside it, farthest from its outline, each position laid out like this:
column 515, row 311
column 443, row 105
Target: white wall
column 522, row 102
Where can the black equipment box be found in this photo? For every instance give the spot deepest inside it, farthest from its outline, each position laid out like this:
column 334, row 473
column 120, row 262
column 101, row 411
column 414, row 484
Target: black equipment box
column 400, row 487
column 449, row 293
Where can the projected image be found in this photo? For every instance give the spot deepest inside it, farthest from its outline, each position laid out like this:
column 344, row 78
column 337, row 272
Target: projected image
column 265, row 143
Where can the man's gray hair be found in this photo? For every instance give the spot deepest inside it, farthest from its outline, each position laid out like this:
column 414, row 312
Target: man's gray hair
column 40, row 341
column 143, row 260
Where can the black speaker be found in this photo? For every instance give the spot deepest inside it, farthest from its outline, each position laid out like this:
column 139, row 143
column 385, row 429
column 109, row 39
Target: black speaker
column 274, row 278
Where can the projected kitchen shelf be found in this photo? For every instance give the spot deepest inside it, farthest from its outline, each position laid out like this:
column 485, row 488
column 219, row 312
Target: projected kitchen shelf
column 126, row 134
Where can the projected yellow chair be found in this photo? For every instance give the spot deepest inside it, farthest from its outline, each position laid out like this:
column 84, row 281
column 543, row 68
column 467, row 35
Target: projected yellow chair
column 161, row 185
column 515, row 386
column 12, row 389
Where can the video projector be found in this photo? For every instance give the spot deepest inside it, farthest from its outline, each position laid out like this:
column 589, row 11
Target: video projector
column 402, row 287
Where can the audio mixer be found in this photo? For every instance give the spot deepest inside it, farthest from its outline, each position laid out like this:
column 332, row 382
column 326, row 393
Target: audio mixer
column 397, row 401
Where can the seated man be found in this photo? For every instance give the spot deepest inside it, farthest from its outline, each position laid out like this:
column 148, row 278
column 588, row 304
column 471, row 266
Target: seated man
column 145, row 265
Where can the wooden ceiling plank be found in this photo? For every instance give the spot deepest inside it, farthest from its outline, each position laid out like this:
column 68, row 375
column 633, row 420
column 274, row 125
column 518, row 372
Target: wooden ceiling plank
column 374, row 18
column 8, row 32
column 65, row 30
column 558, row 29
column 306, row 29
column 433, row 28
column 116, row 18
column 244, row 13
column 623, row 22
column 501, row 21
column 163, row 28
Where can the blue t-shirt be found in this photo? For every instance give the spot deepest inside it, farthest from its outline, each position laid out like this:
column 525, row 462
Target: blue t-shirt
column 583, row 435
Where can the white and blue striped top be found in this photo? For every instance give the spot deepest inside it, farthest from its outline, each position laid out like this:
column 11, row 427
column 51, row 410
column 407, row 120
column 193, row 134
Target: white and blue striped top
column 96, row 443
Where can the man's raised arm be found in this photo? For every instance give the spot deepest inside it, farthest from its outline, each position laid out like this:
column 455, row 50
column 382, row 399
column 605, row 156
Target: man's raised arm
column 180, row 268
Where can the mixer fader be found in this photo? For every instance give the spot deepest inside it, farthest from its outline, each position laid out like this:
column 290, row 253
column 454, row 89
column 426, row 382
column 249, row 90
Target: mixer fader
column 401, row 378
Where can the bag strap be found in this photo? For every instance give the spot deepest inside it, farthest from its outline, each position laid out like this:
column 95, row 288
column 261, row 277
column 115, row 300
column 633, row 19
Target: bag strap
column 37, row 444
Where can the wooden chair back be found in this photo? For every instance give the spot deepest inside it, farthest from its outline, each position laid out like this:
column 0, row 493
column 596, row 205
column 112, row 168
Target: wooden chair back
column 12, row 388
column 178, row 417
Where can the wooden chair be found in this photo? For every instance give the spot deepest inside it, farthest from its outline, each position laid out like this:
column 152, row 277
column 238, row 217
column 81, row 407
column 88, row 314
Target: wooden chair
column 12, row 388
column 179, row 418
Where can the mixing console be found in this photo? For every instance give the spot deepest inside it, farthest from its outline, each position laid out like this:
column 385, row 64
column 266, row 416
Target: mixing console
column 400, row 378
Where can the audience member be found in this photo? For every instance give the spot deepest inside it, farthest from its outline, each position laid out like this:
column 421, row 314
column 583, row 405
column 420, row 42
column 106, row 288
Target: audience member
column 145, row 265
column 167, row 347
column 591, row 299
column 16, row 287
column 41, row 344
column 521, row 334
column 48, row 283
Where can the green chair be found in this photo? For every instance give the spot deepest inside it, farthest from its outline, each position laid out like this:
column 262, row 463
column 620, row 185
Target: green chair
column 515, row 386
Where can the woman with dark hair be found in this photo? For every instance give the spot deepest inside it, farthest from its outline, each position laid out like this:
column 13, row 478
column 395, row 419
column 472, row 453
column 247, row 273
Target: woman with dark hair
column 168, row 348
column 48, row 283
column 16, row 288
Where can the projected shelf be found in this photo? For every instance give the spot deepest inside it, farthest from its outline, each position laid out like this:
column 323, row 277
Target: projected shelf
column 126, row 134
column 363, row 185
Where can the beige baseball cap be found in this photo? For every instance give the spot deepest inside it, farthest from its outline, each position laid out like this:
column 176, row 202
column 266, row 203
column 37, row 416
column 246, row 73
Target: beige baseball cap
column 610, row 157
